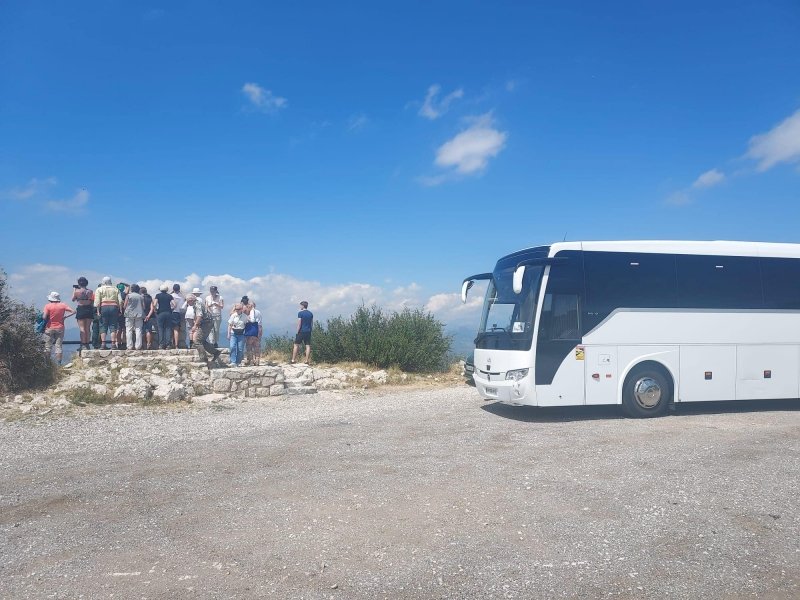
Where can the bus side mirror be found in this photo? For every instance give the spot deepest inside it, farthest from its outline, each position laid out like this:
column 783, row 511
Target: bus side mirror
column 465, row 288
column 519, row 273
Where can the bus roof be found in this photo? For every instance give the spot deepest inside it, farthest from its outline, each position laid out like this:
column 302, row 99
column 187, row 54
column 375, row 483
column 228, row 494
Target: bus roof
column 718, row 247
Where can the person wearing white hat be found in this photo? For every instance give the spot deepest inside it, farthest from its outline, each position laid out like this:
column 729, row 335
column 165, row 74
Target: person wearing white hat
column 200, row 327
column 108, row 302
column 189, row 315
column 215, row 303
column 54, row 314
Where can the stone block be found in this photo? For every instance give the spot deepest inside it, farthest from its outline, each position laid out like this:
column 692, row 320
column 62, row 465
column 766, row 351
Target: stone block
column 221, row 385
column 277, row 390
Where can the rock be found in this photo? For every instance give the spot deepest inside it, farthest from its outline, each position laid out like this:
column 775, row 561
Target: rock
column 221, row 385
column 171, row 392
column 277, row 390
column 379, row 377
column 329, row 384
column 139, row 389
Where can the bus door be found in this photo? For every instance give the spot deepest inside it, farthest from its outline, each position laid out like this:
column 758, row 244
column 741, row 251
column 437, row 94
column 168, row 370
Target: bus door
column 559, row 366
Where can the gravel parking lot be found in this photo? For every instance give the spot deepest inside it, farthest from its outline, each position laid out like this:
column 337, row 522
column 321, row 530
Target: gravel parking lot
column 426, row 493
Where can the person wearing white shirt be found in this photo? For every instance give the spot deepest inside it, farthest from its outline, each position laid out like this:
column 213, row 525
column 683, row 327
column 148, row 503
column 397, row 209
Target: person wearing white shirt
column 236, row 325
column 178, row 318
column 215, row 304
column 189, row 315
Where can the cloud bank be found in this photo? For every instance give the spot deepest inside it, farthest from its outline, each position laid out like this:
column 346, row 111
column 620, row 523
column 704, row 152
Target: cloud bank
column 277, row 295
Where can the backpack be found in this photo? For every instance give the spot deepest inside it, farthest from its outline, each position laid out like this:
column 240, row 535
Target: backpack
column 41, row 323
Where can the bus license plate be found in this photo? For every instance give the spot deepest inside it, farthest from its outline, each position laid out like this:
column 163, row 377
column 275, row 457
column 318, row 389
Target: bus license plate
column 491, row 391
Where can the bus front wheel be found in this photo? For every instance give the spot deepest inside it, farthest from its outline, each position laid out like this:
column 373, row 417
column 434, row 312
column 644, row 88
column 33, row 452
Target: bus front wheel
column 647, row 392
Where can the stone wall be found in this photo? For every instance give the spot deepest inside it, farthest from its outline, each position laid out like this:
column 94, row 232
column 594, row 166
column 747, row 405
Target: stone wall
column 174, row 375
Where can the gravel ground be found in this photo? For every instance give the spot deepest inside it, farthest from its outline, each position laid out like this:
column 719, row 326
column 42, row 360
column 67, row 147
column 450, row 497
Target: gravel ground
column 400, row 494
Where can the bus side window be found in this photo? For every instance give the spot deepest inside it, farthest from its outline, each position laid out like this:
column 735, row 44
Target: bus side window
column 560, row 317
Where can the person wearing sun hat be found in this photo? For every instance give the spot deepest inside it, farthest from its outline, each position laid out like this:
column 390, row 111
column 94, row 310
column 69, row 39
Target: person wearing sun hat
column 189, row 315
column 108, row 303
column 54, row 313
column 215, row 303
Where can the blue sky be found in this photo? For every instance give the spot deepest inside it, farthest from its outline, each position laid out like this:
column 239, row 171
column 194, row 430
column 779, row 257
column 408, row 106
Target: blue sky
column 341, row 152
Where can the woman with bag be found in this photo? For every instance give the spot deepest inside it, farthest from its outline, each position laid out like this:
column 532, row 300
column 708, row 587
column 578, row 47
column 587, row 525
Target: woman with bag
column 84, row 297
column 252, row 333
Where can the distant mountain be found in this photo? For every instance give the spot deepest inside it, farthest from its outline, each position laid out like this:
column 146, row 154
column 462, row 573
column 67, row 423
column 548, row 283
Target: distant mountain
column 463, row 338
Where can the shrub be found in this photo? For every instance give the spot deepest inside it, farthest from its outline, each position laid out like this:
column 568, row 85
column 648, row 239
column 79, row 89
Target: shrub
column 23, row 361
column 280, row 345
column 412, row 340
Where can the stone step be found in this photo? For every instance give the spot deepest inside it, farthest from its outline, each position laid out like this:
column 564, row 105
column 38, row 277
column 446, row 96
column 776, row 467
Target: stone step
column 296, row 390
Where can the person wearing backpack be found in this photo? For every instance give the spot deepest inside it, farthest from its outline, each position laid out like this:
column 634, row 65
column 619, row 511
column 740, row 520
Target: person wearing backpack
column 54, row 314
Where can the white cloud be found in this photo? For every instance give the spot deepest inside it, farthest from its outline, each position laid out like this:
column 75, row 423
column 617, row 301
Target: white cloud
column 75, row 205
column 469, row 151
column 277, row 295
column 679, row 198
column 357, row 122
column 433, row 108
column 780, row 144
column 34, row 188
column 709, row 179
column 263, row 99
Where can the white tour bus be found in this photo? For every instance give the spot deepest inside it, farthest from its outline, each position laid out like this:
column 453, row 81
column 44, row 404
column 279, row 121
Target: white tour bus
column 640, row 323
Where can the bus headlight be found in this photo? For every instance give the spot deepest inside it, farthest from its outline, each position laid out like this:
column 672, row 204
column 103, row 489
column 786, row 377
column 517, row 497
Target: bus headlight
column 516, row 374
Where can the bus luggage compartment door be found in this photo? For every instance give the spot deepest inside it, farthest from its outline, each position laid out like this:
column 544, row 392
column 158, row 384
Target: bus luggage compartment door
column 767, row 372
column 708, row 373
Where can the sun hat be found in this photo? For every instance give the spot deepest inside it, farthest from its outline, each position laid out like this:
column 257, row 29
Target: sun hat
column 106, row 280
column 163, row 287
column 54, row 297
column 197, row 291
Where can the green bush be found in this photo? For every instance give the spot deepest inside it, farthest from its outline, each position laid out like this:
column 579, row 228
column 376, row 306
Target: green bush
column 412, row 340
column 281, row 344
column 23, row 361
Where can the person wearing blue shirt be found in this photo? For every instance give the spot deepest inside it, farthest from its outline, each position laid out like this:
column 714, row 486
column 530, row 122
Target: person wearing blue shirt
column 305, row 322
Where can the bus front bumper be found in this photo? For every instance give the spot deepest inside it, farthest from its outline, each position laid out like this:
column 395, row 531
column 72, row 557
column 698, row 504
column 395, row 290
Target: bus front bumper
column 516, row 393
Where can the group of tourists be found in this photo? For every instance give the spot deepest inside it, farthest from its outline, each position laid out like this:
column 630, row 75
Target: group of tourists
column 127, row 316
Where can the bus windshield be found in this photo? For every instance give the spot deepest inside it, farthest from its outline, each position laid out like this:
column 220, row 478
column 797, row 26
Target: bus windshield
column 507, row 321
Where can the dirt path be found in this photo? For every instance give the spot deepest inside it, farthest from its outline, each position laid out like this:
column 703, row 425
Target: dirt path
column 401, row 494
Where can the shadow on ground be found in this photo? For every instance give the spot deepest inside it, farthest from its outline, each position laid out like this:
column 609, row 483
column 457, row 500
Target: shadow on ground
column 592, row 413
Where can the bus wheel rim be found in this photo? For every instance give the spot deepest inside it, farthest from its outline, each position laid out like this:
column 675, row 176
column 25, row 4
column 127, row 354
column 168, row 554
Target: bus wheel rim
column 647, row 392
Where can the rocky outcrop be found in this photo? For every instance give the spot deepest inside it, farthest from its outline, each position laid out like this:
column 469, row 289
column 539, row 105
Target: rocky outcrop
column 163, row 376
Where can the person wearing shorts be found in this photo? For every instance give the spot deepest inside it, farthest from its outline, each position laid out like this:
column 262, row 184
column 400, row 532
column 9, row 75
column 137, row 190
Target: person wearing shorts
column 305, row 323
column 54, row 313
column 84, row 297
column 107, row 303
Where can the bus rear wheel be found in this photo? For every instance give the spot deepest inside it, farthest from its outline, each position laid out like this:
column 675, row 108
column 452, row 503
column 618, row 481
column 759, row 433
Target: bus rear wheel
column 647, row 392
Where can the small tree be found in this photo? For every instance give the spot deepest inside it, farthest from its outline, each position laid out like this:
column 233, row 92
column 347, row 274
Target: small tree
column 23, row 361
